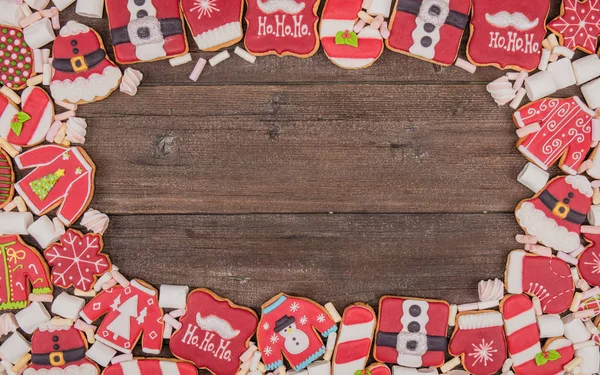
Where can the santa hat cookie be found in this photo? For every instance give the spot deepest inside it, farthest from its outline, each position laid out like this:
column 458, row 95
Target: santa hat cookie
column 26, row 126
column 555, row 214
column 83, row 72
column 16, row 58
column 214, row 23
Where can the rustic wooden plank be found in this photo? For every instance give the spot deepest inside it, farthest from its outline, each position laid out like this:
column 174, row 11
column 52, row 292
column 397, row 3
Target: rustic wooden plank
column 304, row 149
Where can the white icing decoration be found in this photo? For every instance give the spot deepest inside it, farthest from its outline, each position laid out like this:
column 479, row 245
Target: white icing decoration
column 286, row 6
column 96, row 86
column 581, row 184
column 73, row 28
column 546, row 229
column 84, row 369
column 490, row 290
column 483, row 320
column 517, row 20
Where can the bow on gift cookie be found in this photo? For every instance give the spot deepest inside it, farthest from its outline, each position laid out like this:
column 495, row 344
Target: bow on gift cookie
column 26, row 126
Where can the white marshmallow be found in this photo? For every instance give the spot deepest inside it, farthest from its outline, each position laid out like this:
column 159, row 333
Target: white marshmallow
column 173, row 296
column 11, row 13
column 67, row 306
column 101, row 353
column 44, row 231
column 586, row 68
column 591, row 359
column 400, row 370
column 319, row 368
column 32, row 317
column 591, row 93
column 533, row 177
column 90, row 8
column 15, row 222
column 540, row 85
column 39, row 33
column 562, row 73
column 594, row 215
column 15, row 347
column 550, row 325
column 38, row 4
column 575, row 330
column 595, row 170
column 62, row 4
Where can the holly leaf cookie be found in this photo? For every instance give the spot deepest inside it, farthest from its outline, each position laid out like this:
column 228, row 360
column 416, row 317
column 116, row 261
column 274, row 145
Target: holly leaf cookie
column 578, row 26
column 16, row 58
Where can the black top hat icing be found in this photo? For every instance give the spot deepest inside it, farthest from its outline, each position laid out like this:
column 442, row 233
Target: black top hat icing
column 283, row 322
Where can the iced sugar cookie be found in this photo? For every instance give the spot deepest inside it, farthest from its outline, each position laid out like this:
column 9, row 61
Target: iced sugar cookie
column 214, row 24
column 7, row 179
column 16, row 58
column 26, row 126
column 578, row 26
column 151, row 366
column 354, row 339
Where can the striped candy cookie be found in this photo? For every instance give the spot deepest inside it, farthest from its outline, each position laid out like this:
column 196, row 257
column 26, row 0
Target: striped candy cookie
column 7, row 179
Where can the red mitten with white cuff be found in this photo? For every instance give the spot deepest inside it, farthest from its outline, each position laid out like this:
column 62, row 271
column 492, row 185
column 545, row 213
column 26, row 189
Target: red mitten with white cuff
column 479, row 339
column 214, row 23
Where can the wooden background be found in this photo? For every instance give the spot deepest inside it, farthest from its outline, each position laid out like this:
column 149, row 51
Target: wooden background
column 293, row 175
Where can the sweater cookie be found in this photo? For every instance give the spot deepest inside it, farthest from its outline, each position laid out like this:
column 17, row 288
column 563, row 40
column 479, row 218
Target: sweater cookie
column 288, row 325
column 215, row 332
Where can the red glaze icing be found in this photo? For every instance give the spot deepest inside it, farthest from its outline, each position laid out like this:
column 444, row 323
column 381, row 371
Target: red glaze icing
column 214, row 23
column 568, row 24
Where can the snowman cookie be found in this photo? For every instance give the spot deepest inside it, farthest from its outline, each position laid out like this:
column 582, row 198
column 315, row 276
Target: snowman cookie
column 16, row 58
column 288, row 328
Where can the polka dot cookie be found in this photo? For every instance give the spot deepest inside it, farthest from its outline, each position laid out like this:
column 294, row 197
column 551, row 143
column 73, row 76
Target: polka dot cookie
column 16, row 58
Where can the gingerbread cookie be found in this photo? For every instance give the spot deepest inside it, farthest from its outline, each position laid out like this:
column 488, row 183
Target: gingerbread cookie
column 59, row 350
column 26, row 126
column 215, row 332
column 76, row 260
column 508, row 34
column 589, row 260
column 429, row 30
column 83, row 71
column 62, row 176
column 411, row 332
column 578, row 26
column 214, row 23
column 22, row 266
column 523, row 340
column 130, row 312
column 337, row 21
column 555, row 214
column 282, row 27
column 479, row 339
column 16, row 58
column 288, row 325
column 151, row 366
column 354, row 339
column 7, row 179
column 565, row 133
column 147, row 30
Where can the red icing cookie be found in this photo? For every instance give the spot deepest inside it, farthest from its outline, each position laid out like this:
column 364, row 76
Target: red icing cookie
column 76, row 260
column 16, row 58
column 523, row 339
column 62, row 176
column 68, row 359
column 578, row 25
column 214, row 23
column 142, row 366
column 589, row 260
column 215, row 332
column 282, row 27
column 83, row 72
column 21, row 266
column 508, row 34
column 479, row 339
column 289, row 325
column 146, row 30
column 404, row 322
column 131, row 312
column 379, row 369
column 7, row 179
column 26, row 126
column 354, row 339
column 430, row 30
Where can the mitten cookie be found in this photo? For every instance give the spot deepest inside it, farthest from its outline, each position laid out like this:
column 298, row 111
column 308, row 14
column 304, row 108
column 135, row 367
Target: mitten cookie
column 214, row 23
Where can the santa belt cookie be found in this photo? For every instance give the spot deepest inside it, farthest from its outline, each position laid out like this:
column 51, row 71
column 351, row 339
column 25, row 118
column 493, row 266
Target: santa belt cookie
column 435, row 15
column 79, row 64
column 561, row 209
column 58, row 358
column 146, row 30
column 413, row 343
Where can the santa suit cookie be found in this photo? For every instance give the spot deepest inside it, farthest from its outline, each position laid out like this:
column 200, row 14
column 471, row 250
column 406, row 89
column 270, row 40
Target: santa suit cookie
column 62, row 176
column 214, row 24
column 411, row 332
column 59, row 351
column 282, row 27
column 131, row 312
column 354, row 339
column 565, row 132
column 146, row 30
column 508, row 34
column 555, row 214
column 26, row 126
column 16, row 58
column 339, row 16
column 82, row 71
column 7, row 179
column 523, row 340
column 289, row 324
column 151, row 367
column 430, row 30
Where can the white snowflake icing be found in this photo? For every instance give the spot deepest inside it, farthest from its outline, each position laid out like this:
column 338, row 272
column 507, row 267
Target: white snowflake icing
column 267, row 351
column 483, row 352
column 205, row 7
column 294, row 307
column 595, row 264
column 321, row 318
column 303, row 320
column 266, row 326
column 274, row 339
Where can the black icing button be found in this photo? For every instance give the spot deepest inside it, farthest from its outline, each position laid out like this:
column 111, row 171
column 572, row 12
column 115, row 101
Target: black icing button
column 411, row 345
column 429, row 27
column 73, row 42
column 143, row 33
column 57, row 359
column 76, row 51
column 55, row 338
column 56, row 346
column 139, row 2
column 414, row 327
column 426, row 41
column 435, row 10
column 414, row 310
column 571, row 195
column 142, row 14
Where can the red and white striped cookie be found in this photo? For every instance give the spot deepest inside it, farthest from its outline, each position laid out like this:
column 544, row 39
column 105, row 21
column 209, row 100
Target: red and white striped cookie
column 38, row 108
column 151, row 367
column 340, row 16
column 354, row 340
